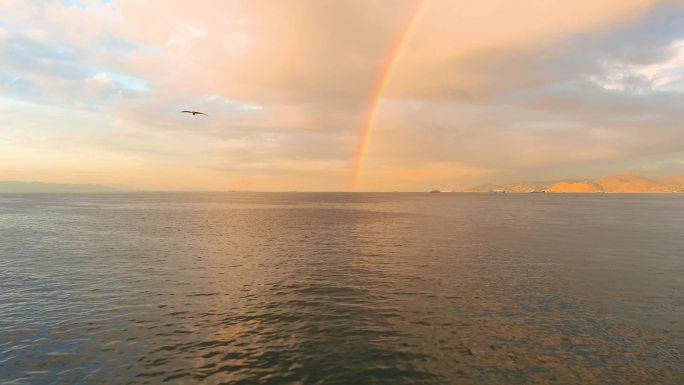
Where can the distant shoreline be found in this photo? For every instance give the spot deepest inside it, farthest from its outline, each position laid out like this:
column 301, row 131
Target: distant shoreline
column 622, row 183
column 126, row 192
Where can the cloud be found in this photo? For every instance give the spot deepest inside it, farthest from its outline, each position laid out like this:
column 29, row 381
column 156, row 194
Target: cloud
column 58, row 53
column 474, row 50
column 664, row 75
column 483, row 90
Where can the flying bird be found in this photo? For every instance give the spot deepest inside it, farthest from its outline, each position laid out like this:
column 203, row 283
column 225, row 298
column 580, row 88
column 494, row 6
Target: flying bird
column 194, row 113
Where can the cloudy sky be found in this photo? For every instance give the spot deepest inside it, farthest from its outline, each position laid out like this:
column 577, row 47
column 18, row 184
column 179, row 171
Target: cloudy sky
column 474, row 92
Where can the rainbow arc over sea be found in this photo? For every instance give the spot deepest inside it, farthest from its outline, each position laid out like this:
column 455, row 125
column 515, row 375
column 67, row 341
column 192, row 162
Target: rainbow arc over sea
column 384, row 76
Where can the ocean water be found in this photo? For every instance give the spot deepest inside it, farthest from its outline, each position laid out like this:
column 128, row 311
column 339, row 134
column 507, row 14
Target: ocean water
column 326, row 288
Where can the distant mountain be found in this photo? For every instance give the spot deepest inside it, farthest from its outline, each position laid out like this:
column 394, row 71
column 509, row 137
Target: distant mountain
column 674, row 183
column 485, row 188
column 586, row 186
column 629, row 182
column 516, row 187
column 624, row 182
column 44, row 187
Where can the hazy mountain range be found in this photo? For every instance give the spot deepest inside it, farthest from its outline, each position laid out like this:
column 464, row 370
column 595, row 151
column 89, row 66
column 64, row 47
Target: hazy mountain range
column 624, row 182
column 44, row 187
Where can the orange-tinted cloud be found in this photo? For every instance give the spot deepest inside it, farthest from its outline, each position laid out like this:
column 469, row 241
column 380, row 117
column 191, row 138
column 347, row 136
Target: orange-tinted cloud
column 483, row 91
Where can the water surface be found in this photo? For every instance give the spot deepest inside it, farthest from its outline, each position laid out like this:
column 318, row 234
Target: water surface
column 306, row 288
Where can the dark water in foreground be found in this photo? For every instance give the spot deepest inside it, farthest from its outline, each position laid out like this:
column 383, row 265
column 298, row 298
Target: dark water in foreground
column 247, row 288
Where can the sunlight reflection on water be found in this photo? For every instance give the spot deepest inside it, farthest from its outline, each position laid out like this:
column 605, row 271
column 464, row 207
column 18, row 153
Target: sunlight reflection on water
column 249, row 288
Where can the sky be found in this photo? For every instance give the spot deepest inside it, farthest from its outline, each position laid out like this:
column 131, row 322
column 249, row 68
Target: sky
column 333, row 95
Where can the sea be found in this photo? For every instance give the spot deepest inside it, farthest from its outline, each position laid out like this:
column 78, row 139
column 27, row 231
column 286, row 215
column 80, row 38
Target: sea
column 341, row 288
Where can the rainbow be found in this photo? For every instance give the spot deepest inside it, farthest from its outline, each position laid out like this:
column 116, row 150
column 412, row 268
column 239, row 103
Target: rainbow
column 384, row 75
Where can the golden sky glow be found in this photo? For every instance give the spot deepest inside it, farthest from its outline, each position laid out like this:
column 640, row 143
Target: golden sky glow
column 338, row 95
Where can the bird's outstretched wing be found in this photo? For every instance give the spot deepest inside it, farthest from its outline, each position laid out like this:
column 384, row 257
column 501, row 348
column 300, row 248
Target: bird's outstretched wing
column 189, row 112
column 201, row 113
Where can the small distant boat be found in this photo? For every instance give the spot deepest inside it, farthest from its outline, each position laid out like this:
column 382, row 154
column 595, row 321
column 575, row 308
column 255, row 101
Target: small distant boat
column 538, row 192
column 435, row 191
column 498, row 191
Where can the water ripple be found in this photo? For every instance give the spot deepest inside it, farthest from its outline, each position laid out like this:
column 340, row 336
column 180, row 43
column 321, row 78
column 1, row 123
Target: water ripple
column 341, row 289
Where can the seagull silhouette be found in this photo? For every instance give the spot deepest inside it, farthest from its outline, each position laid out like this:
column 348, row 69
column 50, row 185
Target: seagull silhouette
column 194, row 113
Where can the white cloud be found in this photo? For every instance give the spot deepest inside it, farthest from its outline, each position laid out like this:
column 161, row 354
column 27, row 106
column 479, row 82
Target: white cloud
column 666, row 75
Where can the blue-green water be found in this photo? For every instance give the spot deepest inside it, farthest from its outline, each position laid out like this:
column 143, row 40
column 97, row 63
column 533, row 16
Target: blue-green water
column 305, row 288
